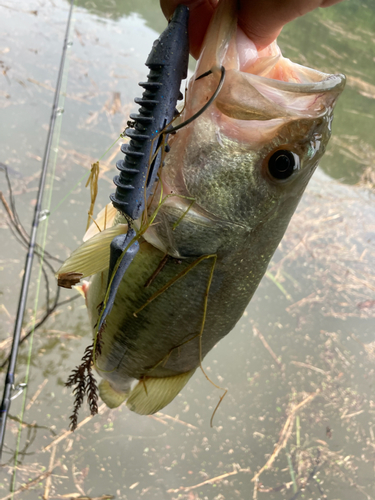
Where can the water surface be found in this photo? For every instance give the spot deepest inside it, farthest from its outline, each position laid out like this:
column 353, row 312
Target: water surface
column 314, row 310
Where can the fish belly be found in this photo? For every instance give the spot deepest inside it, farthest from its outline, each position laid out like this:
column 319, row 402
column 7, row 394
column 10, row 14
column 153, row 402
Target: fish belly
column 172, row 333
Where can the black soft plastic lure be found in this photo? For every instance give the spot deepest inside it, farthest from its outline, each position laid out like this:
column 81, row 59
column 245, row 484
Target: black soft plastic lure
column 168, row 62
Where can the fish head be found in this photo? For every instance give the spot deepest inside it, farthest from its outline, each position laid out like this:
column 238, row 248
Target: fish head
column 250, row 155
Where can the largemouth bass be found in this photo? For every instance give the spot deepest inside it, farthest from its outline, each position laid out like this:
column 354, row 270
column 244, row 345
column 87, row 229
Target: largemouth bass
column 229, row 187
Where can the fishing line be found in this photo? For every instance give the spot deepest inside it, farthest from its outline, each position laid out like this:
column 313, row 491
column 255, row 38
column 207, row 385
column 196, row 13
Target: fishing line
column 56, row 304
column 21, row 236
column 17, row 229
column 39, row 216
column 57, row 110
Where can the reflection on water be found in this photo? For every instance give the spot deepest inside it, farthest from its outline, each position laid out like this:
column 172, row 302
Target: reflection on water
column 341, row 40
column 149, row 10
column 306, row 339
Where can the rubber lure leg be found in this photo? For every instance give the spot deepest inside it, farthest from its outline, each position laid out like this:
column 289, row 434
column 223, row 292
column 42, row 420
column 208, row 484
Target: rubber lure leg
column 118, row 246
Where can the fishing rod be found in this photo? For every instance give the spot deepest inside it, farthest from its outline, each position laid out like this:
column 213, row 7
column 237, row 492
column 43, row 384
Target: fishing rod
column 9, row 379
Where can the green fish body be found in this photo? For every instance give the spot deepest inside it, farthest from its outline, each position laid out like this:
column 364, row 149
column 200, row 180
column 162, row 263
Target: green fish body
column 234, row 177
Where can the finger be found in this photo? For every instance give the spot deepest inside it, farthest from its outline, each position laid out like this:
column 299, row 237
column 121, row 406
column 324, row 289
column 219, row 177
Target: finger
column 263, row 20
column 201, row 12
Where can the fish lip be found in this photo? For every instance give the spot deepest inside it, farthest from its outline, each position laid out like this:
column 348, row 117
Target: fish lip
column 329, row 83
column 247, row 96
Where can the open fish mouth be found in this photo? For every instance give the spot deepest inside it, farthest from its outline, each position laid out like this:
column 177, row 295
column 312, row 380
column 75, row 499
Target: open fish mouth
column 259, row 85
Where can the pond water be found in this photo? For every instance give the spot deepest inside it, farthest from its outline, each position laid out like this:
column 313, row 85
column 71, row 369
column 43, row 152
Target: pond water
column 307, row 337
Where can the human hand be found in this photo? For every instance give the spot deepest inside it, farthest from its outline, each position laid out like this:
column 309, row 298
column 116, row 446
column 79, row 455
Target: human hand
column 261, row 20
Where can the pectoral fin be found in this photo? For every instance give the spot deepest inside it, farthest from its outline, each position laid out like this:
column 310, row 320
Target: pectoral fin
column 152, row 394
column 90, row 258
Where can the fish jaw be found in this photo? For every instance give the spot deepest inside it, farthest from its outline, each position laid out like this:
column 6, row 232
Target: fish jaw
column 253, row 74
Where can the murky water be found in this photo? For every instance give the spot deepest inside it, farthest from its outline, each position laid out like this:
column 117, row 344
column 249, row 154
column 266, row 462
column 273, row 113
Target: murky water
column 309, row 330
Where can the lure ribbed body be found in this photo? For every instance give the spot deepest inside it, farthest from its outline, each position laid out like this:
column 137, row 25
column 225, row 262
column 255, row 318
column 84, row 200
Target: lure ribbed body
column 167, row 62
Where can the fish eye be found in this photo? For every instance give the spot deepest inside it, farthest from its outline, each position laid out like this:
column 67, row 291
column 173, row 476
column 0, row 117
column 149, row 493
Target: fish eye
column 282, row 164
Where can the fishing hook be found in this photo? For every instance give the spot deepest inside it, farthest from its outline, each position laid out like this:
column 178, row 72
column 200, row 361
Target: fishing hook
column 207, row 105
